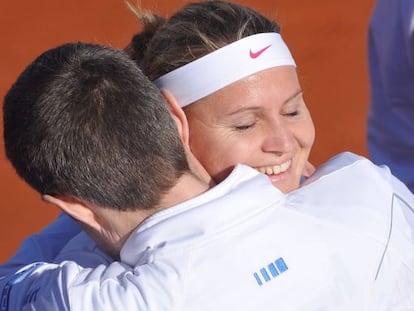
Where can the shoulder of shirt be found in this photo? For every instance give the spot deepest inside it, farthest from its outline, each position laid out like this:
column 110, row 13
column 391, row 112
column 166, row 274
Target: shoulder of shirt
column 345, row 162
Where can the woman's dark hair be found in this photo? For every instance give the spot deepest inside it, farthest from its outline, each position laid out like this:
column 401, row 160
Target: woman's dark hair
column 192, row 32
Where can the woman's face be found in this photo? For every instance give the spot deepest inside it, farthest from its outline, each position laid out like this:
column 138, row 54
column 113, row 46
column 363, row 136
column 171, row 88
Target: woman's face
column 261, row 121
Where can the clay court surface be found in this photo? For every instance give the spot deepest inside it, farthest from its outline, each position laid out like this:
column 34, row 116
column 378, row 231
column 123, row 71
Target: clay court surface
column 326, row 37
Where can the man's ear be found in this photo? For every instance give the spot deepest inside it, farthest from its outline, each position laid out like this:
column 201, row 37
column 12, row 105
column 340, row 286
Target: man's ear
column 80, row 211
column 178, row 115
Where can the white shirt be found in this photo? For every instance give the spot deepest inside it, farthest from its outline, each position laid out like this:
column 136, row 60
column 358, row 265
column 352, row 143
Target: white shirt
column 343, row 241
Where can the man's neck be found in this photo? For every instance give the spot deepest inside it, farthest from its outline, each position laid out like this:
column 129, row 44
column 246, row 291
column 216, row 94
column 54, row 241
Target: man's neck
column 187, row 187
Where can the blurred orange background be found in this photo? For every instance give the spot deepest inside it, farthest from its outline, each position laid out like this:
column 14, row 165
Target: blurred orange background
column 327, row 39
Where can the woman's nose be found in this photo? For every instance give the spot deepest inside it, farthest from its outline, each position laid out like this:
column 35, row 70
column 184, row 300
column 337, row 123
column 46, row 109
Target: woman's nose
column 279, row 138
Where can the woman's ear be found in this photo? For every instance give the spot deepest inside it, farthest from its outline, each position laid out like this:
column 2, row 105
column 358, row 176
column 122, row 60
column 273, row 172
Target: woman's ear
column 80, row 211
column 178, row 115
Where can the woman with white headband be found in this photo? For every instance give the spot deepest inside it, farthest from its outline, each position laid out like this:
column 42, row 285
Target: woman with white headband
column 230, row 71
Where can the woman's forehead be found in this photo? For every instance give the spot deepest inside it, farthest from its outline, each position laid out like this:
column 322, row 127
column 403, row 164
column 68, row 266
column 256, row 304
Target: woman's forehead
column 276, row 86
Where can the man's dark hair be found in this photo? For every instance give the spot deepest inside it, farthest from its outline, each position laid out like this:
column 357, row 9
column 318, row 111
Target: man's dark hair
column 83, row 121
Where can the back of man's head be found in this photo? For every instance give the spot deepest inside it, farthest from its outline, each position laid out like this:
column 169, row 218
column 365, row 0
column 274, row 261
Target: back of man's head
column 83, row 121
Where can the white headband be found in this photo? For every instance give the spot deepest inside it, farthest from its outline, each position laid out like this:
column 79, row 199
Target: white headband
column 224, row 66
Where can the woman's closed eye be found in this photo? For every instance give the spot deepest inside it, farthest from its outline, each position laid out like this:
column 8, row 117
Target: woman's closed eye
column 244, row 127
column 294, row 107
column 292, row 113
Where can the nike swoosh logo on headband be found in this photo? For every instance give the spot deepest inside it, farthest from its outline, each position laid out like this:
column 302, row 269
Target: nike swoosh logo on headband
column 259, row 52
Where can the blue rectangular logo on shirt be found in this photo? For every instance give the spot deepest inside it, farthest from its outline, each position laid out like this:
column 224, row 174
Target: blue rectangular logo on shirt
column 271, row 271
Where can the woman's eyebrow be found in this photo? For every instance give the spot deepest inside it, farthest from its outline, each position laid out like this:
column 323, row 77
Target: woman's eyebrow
column 296, row 94
column 243, row 109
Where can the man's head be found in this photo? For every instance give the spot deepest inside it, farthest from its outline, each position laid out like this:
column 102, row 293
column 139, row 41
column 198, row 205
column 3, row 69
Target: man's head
column 83, row 122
